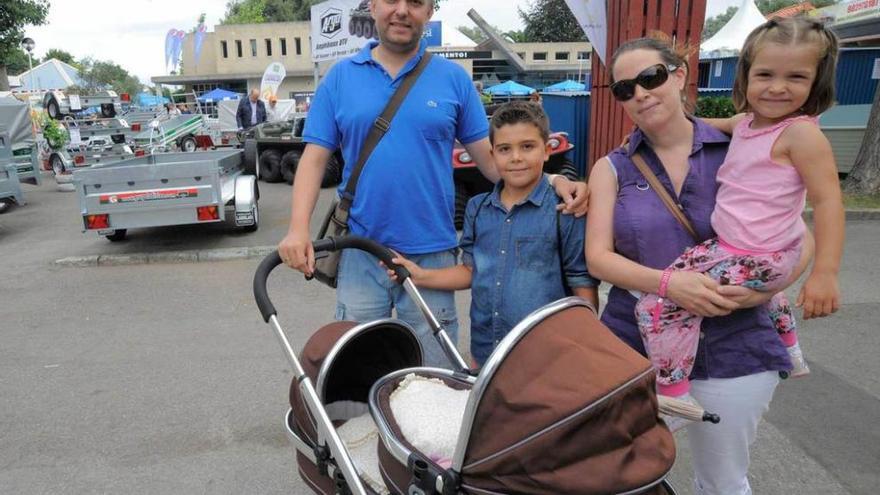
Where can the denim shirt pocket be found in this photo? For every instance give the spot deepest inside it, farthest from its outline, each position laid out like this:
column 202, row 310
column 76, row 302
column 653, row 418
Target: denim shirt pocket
column 531, row 253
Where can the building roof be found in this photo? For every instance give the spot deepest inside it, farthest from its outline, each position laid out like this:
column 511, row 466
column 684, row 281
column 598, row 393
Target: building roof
column 792, row 10
column 730, row 38
column 51, row 74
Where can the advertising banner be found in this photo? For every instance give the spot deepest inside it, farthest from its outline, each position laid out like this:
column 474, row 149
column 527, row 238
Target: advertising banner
column 340, row 28
column 272, row 77
column 590, row 14
column 843, row 12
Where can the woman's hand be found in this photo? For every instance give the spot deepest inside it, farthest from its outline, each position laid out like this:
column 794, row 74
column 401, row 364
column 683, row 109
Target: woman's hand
column 745, row 297
column 698, row 294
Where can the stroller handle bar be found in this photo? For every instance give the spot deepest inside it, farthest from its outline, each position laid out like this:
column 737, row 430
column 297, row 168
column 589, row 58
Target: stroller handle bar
column 273, row 259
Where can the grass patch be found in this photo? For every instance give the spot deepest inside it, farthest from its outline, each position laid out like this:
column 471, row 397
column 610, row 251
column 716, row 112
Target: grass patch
column 861, row 201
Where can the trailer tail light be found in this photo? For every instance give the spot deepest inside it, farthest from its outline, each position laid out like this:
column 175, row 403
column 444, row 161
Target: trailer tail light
column 97, row 222
column 79, row 160
column 125, row 97
column 206, row 213
column 135, row 127
column 139, row 152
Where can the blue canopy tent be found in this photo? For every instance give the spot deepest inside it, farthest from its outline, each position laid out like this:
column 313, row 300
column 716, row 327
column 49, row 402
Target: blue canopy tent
column 218, row 95
column 510, row 88
column 147, row 100
column 567, row 85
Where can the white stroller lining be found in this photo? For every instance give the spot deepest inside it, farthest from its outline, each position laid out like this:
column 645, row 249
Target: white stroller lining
column 360, row 436
column 429, row 414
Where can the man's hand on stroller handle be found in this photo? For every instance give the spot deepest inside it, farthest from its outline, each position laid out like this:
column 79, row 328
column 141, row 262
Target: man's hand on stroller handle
column 416, row 273
column 297, row 252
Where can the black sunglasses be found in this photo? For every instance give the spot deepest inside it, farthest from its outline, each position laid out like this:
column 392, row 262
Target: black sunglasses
column 650, row 78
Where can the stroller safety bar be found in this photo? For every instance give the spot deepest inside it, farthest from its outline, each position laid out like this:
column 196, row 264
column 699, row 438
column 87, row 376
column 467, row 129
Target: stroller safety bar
column 267, row 309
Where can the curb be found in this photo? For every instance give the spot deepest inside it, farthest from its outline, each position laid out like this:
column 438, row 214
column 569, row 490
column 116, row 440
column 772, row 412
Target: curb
column 851, row 214
column 168, row 257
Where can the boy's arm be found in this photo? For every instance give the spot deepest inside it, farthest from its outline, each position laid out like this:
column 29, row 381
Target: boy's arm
column 811, row 155
column 574, row 261
column 456, row 277
column 591, row 294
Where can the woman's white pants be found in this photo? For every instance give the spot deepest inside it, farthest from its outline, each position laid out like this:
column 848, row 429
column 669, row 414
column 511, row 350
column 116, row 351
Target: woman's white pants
column 721, row 452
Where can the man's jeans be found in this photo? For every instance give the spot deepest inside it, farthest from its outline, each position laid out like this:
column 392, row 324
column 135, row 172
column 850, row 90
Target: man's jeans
column 365, row 293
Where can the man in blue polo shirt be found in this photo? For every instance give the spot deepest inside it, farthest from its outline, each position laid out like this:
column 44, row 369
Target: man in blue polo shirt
column 404, row 197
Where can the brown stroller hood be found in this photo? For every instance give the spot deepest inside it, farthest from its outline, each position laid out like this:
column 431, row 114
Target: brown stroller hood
column 561, row 407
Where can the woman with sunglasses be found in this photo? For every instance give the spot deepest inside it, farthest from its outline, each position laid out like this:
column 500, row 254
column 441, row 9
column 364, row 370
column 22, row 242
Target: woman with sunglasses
column 632, row 238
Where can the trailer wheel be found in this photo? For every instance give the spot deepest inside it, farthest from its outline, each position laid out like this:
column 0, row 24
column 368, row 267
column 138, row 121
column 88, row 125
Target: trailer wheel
column 288, row 165
column 461, row 201
column 53, row 110
column 57, row 165
column 270, row 165
column 188, row 144
column 249, row 158
column 332, row 173
column 117, row 235
column 256, row 225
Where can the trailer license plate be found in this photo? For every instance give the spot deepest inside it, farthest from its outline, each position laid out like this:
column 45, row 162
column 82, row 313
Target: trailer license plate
column 157, row 195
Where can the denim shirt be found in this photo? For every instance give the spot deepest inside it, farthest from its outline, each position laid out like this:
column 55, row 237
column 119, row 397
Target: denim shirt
column 516, row 261
column 740, row 344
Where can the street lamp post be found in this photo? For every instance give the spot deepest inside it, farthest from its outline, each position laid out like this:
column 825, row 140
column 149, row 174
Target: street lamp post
column 28, row 45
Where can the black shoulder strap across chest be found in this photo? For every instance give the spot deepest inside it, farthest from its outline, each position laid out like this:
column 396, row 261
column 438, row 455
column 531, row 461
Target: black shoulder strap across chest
column 380, row 127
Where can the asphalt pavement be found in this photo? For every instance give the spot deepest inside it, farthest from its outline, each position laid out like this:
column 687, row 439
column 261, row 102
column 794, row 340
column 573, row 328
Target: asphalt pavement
column 163, row 378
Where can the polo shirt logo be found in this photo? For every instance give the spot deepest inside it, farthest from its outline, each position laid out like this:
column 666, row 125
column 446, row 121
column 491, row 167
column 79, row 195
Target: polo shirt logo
column 432, row 103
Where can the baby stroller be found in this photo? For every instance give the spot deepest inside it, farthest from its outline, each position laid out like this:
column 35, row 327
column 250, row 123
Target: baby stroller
column 561, row 406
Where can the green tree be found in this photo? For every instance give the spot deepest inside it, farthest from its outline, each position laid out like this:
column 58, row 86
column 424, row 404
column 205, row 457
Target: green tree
column 100, row 74
column 60, row 55
column 14, row 16
column 713, row 24
column 17, row 62
column 517, row 36
column 550, row 21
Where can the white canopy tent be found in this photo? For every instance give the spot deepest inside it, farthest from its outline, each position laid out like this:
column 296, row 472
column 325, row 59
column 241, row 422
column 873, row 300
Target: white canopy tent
column 730, row 38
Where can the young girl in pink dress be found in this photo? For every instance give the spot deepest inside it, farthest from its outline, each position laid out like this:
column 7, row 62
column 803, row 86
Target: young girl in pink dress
column 778, row 157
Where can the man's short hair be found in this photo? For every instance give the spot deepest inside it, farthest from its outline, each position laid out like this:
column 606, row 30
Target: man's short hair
column 520, row 112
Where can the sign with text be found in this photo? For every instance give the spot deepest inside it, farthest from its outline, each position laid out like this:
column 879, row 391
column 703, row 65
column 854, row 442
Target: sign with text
column 272, row 77
column 433, row 34
column 464, row 54
column 340, row 28
column 843, row 12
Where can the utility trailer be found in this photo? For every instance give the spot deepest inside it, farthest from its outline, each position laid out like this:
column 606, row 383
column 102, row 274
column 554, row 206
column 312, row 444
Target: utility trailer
column 187, row 132
column 58, row 103
column 10, row 186
column 167, row 189
column 92, row 141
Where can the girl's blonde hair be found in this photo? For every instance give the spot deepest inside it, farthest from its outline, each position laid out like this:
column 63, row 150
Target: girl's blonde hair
column 676, row 54
column 791, row 31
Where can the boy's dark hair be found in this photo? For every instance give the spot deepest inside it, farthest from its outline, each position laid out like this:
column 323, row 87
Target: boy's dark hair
column 519, row 112
column 791, row 31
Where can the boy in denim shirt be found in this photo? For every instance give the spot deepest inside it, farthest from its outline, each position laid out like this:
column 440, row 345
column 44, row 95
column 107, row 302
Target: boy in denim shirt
column 518, row 253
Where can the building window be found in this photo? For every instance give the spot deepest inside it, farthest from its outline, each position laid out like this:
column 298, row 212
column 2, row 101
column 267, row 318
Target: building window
column 224, row 49
column 562, row 56
column 283, row 47
column 238, row 47
column 253, row 48
column 583, row 55
column 268, row 47
column 298, row 44
column 540, row 56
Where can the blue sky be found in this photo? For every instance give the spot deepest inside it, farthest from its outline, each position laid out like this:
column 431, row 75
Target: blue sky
column 131, row 33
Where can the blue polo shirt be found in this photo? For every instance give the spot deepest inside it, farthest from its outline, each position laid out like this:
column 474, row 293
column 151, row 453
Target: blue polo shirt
column 518, row 264
column 405, row 197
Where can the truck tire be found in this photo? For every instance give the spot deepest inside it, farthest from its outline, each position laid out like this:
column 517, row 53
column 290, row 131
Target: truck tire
column 461, row 200
column 249, row 157
column 359, row 29
column 188, row 144
column 270, row 165
column 569, row 170
column 368, row 30
column 288, row 165
column 333, row 173
column 117, row 235
column 351, row 25
column 53, row 110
